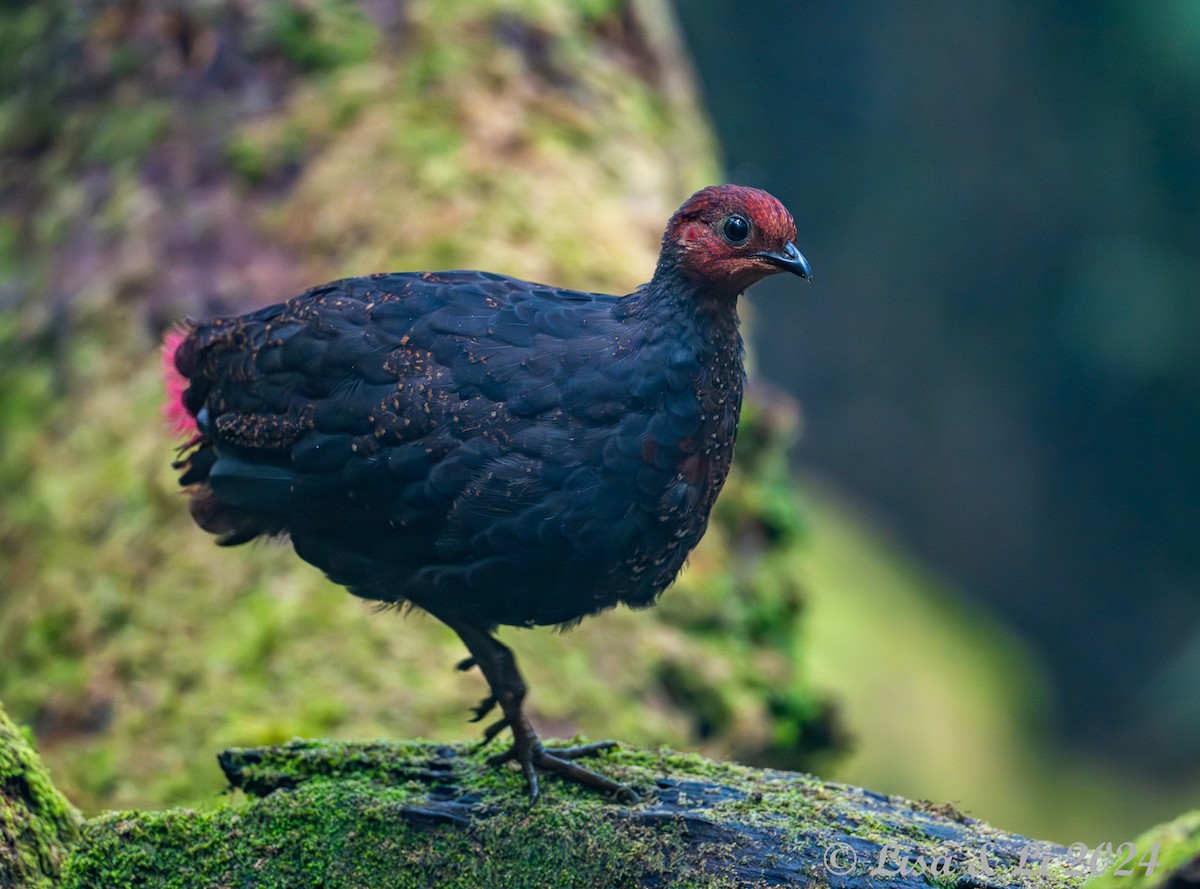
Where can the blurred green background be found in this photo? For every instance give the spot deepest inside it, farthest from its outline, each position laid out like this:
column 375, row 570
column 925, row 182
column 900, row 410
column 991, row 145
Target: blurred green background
column 983, row 589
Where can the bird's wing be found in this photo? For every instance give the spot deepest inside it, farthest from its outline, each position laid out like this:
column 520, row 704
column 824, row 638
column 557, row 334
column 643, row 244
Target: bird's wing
column 392, row 391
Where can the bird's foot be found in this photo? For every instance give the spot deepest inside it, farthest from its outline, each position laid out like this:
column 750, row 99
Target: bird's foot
column 507, row 691
column 532, row 756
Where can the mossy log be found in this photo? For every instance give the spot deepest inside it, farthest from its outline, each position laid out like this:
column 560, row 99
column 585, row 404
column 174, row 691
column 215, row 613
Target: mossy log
column 37, row 824
column 422, row 814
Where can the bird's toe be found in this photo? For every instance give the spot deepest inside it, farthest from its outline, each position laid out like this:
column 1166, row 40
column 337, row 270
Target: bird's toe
column 482, row 709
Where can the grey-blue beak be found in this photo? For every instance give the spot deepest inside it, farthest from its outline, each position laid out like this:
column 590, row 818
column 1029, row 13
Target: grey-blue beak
column 789, row 259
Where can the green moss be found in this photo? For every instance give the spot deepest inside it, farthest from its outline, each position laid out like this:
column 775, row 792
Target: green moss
column 324, row 34
column 1154, row 857
column 123, row 133
column 429, row 815
column 354, row 819
column 257, row 155
column 353, row 835
column 37, row 824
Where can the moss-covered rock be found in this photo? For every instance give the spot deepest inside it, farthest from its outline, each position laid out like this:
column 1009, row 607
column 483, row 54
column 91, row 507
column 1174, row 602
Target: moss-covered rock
column 37, row 824
column 429, row 815
column 1164, row 857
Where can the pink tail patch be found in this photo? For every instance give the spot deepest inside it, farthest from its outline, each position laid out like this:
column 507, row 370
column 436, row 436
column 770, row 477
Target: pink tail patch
column 180, row 422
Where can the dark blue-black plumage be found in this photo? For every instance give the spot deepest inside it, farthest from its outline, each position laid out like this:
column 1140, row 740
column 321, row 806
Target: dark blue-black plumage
column 490, row 450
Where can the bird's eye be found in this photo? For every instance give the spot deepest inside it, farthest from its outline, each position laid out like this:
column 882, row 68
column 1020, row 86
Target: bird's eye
column 736, row 229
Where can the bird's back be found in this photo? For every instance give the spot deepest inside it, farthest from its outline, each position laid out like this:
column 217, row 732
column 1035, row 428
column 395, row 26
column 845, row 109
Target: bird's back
column 464, row 441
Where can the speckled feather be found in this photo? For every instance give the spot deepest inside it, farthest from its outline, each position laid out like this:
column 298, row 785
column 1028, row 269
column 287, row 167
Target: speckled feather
column 488, row 449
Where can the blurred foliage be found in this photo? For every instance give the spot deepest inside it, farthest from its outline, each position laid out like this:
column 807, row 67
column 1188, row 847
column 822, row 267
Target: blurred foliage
column 1002, row 205
column 924, row 677
column 321, row 35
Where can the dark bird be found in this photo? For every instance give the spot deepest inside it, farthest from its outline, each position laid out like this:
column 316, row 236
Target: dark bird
column 490, row 450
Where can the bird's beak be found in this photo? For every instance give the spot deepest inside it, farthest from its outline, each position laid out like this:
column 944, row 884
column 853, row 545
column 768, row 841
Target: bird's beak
column 790, row 260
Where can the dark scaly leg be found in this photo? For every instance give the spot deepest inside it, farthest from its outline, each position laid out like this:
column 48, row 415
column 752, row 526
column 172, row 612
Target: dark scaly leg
column 499, row 668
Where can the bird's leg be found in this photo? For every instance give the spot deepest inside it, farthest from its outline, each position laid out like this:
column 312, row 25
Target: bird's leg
column 499, row 668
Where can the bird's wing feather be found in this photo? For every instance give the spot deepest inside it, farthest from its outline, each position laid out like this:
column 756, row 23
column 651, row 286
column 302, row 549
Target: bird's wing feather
column 384, row 389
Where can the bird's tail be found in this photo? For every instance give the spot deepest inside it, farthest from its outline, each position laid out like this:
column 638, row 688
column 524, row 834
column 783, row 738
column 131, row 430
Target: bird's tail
column 178, row 418
column 197, row 459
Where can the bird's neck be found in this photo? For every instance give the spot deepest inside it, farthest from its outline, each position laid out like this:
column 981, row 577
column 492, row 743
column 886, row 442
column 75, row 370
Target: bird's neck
column 674, row 301
column 678, row 319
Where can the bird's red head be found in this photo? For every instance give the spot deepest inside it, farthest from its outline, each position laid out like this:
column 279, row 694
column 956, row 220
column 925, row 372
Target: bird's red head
column 730, row 236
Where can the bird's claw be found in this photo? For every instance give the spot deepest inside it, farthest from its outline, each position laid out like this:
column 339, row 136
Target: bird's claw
column 482, row 709
column 528, row 751
column 507, row 691
column 492, row 730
